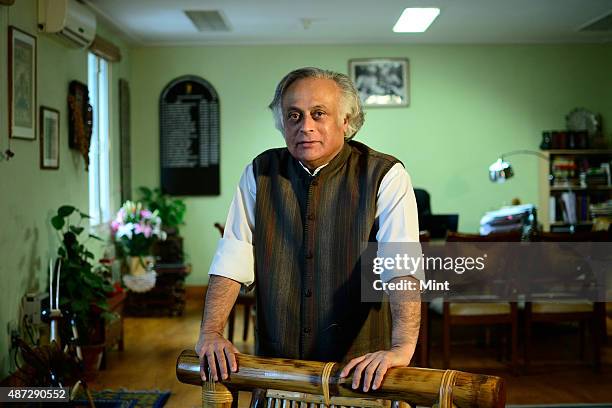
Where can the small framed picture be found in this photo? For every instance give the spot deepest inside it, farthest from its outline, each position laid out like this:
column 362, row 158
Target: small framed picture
column 381, row 81
column 49, row 138
column 22, row 84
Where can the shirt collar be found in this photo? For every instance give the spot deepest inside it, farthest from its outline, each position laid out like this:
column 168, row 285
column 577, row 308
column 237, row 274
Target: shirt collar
column 315, row 172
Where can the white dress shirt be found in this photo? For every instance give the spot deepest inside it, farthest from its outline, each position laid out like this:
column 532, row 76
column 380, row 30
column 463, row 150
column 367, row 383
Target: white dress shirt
column 396, row 212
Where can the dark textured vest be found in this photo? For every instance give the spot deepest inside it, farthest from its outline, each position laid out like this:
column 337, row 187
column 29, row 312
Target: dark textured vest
column 310, row 235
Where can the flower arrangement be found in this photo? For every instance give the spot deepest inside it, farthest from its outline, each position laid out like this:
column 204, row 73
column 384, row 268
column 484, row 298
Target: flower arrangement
column 135, row 229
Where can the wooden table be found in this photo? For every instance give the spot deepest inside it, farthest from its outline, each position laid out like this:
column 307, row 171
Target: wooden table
column 167, row 298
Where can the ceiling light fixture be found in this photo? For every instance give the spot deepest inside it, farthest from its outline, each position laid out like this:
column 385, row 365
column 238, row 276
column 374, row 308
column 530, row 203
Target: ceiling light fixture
column 415, row 20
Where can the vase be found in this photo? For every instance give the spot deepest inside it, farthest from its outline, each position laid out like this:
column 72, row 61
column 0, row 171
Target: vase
column 140, row 277
column 138, row 265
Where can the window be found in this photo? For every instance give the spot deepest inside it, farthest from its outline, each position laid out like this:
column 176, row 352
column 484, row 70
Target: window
column 99, row 149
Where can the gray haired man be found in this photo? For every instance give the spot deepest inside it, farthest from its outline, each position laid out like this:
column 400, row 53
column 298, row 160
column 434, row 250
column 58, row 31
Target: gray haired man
column 297, row 228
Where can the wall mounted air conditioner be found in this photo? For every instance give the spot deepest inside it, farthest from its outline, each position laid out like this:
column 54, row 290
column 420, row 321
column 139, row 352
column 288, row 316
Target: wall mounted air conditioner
column 71, row 20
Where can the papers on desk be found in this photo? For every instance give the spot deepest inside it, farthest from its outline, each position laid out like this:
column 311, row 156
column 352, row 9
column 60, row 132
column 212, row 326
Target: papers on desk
column 506, row 219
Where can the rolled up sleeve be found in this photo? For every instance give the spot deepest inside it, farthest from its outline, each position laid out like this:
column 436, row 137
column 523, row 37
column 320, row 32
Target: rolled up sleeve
column 234, row 257
column 398, row 220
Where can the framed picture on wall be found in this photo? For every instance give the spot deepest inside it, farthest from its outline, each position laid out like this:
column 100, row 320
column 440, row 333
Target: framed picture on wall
column 381, row 81
column 49, row 138
column 22, row 84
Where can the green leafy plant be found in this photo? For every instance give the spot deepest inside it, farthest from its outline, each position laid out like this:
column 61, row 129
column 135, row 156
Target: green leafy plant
column 170, row 210
column 83, row 290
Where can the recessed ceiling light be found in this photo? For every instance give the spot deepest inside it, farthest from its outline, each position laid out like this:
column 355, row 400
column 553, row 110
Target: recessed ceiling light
column 415, row 20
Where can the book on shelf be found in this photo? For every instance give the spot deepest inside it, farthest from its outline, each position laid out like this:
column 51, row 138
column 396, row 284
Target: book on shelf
column 568, row 201
column 603, row 209
column 552, row 209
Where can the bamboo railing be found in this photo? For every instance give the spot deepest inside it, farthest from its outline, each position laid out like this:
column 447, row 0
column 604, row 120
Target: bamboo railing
column 286, row 380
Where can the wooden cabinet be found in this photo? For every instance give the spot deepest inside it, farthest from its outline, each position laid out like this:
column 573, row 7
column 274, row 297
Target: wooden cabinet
column 571, row 181
column 167, row 298
column 113, row 329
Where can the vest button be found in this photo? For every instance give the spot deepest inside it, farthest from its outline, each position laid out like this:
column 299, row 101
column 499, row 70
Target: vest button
column 309, row 255
column 307, row 330
column 311, row 217
column 308, row 293
column 314, row 183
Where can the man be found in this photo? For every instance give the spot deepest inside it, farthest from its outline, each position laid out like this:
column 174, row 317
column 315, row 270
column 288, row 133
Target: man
column 298, row 226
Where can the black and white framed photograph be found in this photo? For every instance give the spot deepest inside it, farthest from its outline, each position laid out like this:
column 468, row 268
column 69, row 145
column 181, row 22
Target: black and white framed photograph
column 22, row 84
column 381, row 81
column 49, row 138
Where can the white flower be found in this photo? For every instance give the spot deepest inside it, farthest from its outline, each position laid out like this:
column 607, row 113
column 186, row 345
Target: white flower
column 125, row 230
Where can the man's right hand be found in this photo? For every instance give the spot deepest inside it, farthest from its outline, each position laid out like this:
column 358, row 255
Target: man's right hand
column 213, row 348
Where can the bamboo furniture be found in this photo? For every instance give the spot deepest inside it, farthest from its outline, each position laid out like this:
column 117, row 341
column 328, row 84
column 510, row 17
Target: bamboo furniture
column 276, row 382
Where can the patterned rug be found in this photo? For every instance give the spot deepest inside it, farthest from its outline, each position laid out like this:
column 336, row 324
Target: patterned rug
column 124, row 399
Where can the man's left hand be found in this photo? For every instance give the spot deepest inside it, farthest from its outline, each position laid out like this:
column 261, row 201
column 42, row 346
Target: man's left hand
column 373, row 366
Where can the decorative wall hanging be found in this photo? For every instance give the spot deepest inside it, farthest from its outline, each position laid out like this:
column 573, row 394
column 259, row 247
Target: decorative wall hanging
column 381, row 81
column 125, row 140
column 49, row 138
column 22, row 84
column 80, row 119
column 189, row 137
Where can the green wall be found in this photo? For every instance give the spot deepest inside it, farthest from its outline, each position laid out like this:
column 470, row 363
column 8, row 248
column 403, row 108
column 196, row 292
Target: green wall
column 468, row 105
column 28, row 195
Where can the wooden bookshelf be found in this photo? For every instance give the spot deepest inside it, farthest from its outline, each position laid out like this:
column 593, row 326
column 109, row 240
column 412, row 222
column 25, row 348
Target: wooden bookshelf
column 566, row 166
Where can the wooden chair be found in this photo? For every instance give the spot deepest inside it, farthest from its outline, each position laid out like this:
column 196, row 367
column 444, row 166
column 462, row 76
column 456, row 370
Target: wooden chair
column 245, row 299
column 586, row 313
column 276, row 383
column 481, row 312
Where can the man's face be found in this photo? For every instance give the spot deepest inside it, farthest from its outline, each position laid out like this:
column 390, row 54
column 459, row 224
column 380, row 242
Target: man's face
column 313, row 129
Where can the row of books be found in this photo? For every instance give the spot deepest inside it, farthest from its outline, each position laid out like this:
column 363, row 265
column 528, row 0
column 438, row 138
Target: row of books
column 567, row 172
column 569, row 207
column 601, row 209
column 564, row 139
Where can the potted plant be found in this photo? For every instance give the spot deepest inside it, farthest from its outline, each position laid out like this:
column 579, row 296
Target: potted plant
column 172, row 214
column 83, row 291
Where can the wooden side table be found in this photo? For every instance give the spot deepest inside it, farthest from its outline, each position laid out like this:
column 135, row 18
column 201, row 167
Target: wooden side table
column 167, row 298
column 113, row 330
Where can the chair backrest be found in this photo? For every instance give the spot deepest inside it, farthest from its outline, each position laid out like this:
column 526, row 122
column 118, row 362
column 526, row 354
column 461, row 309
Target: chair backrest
column 313, row 383
column 494, row 280
column 514, row 236
column 220, row 228
column 583, row 236
column 423, row 207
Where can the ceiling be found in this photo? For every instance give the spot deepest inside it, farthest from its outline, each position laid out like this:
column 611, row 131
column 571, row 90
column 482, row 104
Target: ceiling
column 164, row 23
